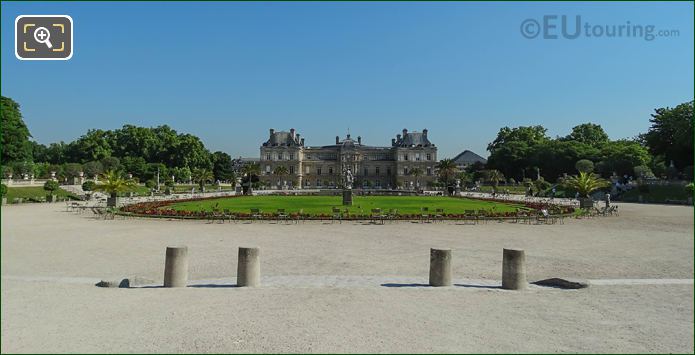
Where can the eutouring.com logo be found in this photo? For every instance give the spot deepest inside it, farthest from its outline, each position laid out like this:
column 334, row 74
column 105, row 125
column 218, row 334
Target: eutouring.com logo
column 572, row 27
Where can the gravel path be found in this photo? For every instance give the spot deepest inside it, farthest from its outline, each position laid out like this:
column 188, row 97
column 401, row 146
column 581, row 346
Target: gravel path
column 348, row 287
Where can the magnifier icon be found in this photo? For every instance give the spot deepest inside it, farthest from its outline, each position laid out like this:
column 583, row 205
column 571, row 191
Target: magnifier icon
column 43, row 35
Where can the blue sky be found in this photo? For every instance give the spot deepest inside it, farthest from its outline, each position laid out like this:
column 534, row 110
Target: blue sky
column 228, row 72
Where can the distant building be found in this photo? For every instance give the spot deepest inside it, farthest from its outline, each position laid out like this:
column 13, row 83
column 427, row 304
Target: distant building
column 239, row 163
column 468, row 158
column 371, row 166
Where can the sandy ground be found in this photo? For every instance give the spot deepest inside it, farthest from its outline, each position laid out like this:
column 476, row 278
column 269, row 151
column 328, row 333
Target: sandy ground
column 346, row 287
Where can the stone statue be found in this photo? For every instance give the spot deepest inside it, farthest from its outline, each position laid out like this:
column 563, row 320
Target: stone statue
column 348, row 179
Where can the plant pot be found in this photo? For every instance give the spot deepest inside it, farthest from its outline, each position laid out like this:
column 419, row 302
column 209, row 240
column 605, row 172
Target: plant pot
column 586, row 203
column 112, row 201
column 51, row 198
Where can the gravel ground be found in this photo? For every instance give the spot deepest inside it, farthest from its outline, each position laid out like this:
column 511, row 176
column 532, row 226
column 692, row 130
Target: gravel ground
column 349, row 287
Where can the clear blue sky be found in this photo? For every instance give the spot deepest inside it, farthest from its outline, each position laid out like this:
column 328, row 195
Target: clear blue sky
column 229, row 71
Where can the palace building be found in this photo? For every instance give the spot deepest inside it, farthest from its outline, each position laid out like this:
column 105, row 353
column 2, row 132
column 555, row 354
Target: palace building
column 408, row 163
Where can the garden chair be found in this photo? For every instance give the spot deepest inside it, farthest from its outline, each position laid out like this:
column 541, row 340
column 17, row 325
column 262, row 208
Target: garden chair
column 256, row 214
column 392, row 215
column 377, row 215
column 470, row 215
column 424, row 214
column 613, row 210
column 282, row 215
column 439, row 214
column 228, row 215
column 337, row 215
column 543, row 217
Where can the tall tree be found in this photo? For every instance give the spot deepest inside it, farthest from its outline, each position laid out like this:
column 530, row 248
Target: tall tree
column 588, row 133
column 222, row 166
column 15, row 134
column 671, row 134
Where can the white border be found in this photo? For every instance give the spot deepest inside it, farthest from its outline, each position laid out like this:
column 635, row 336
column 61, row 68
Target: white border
column 72, row 34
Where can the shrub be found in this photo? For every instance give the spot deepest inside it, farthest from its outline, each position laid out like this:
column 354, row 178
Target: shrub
column 688, row 188
column 150, row 183
column 643, row 171
column 88, row 185
column 644, row 188
column 51, row 186
column 3, row 190
column 584, row 166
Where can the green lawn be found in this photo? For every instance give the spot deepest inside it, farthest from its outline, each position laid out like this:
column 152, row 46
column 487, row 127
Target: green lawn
column 32, row 192
column 361, row 204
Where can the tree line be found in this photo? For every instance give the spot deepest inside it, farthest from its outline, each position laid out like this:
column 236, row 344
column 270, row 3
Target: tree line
column 516, row 154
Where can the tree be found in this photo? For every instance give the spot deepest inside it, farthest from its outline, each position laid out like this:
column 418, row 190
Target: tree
column 51, row 186
column 494, row 177
column 202, row 176
column 584, row 165
column 250, row 172
column 110, row 163
column 88, row 185
column 15, row 134
column 643, row 172
column 72, row 169
column 113, row 183
column 93, row 168
column 222, row 166
column 446, row 170
column 622, row 156
column 92, row 146
column 280, row 171
column 671, row 134
column 588, row 133
column 416, row 173
column 585, row 183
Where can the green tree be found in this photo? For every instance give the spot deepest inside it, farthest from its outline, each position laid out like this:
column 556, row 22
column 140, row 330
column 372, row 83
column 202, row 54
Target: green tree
column 202, row 176
column 585, row 183
column 93, row 168
column 622, row 156
column 584, row 165
column 671, row 134
column 494, row 177
column 588, row 133
column 51, row 186
column 446, row 170
column 113, row 183
column 222, row 166
column 94, row 145
column 15, row 134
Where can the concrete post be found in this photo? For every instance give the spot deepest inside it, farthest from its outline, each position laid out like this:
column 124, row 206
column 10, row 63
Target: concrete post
column 176, row 267
column 248, row 272
column 440, row 267
column 514, row 269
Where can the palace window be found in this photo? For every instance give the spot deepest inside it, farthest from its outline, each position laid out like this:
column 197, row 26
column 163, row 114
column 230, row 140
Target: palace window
column 318, row 171
column 366, row 171
column 405, row 156
column 388, row 171
column 417, row 156
column 405, row 171
column 377, row 170
column 267, row 156
column 291, row 156
column 267, row 169
column 330, row 171
column 291, row 169
column 429, row 171
column 280, row 156
column 318, row 182
column 429, row 156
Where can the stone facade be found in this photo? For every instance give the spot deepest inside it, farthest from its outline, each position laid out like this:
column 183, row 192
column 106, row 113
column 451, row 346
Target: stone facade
column 372, row 166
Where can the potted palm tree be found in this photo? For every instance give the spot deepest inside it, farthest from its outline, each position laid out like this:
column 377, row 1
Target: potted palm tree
column 280, row 172
column 494, row 177
column 416, row 173
column 585, row 183
column 446, row 169
column 114, row 183
column 250, row 171
column 201, row 176
column 51, row 186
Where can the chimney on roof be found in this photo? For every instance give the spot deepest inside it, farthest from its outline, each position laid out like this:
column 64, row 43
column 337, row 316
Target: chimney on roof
column 405, row 131
column 292, row 132
column 297, row 139
column 302, row 142
column 359, row 139
column 398, row 137
column 393, row 142
column 272, row 131
column 337, row 140
column 424, row 132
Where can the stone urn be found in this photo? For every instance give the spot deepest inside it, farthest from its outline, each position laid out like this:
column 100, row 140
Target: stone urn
column 51, row 198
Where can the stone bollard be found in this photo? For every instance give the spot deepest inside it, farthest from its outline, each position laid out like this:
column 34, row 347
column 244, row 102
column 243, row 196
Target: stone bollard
column 248, row 272
column 440, row 267
column 514, row 269
column 176, row 267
